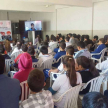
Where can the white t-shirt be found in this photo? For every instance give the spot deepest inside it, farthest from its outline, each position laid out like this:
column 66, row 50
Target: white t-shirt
column 61, row 85
column 51, row 43
column 68, row 43
column 49, row 51
column 44, row 58
column 60, row 67
column 16, row 50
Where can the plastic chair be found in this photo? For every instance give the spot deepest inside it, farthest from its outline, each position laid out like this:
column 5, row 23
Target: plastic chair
column 47, row 64
column 12, row 73
column 71, row 97
column 95, row 85
column 13, row 56
column 101, row 57
column 53, row 76
column 54, row 61
column 7, row 65
column 25, row 91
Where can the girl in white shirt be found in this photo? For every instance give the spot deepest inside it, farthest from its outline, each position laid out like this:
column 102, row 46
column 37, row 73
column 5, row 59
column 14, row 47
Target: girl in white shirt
column 65, row 81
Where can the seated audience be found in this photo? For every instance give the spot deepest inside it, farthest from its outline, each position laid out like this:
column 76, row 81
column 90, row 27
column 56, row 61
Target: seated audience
column 53, row 41
column 103, row 65
column 61, row 39
column 45, row 56
column 67, row 41
column 82, row 51
column 106, row 40
column 65, row 81
column 14, row 44
column 7, row 46
column 87, row 69
column 24, row 49
column 70, row 37
column 49, row 50
column 38, row 98
column 95, row 39
column 18, row 48
column 9, row 89
column 31, row 51
column 69, row 52
column 59, row 54
column 86, row 39
column 94, row 100
column 25, row 66
column 47, row 38
column 38, row 40
column 99, row 48
column 2, row 50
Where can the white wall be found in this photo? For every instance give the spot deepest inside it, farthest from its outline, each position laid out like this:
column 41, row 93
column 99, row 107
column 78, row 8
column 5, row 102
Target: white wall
column 74, row 20
column 100, row 22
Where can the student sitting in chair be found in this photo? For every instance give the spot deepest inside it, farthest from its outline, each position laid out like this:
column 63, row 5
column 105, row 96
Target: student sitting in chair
column 45, row 56
column 67, row 41
column 99, row 48
column 31, row 51
column 82, row 51
column 59, row 54
column 69, row 52
column 65, row 81
column 49, row 50
column 38, row 98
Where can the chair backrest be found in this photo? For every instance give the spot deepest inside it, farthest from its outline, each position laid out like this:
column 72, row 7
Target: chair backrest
column 102, row 53
column 52, row 47
column 95, row 84
column 60, row 58
column 7, row 64
column 13, row 56
column 47, row 64
column 71, row 97
column 25, row 91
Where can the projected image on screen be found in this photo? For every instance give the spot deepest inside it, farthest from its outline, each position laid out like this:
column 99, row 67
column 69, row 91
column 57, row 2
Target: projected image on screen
column 33, row 25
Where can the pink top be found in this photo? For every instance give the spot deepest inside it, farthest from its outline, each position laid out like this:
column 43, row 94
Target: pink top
column 25, row 66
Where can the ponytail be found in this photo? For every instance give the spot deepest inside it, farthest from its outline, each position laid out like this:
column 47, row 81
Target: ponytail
column 92, row 68
column 71, row 73
column 87, row 63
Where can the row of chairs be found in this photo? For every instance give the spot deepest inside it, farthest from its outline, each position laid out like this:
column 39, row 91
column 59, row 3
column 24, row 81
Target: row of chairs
column 72, row 94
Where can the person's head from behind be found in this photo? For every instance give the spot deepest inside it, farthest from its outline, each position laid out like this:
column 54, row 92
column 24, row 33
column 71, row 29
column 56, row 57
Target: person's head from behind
column 47, row 38
column 2, row 64
column 94, row 100
column 19, row 44
column 95, row 38
column 36, row 80
column 74, row 35
column 62, row 46
column 70, row 35
column 32, row 25
column 25, row 61
column 44, row 50
column 61, row 38
column 80, row 45
column 14, row 42
column 45, row 44
column 69, row 67
column 31, row 51
column 67, row 39
column 86, row 37
column 2, row 50
column 84, row 63
column 69, row 50
column 54, row 39
column 101, row 41
column 24, row 48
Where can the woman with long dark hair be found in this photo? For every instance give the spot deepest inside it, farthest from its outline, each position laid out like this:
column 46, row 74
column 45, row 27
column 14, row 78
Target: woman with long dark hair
column 65, row 81
column 86, row 68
